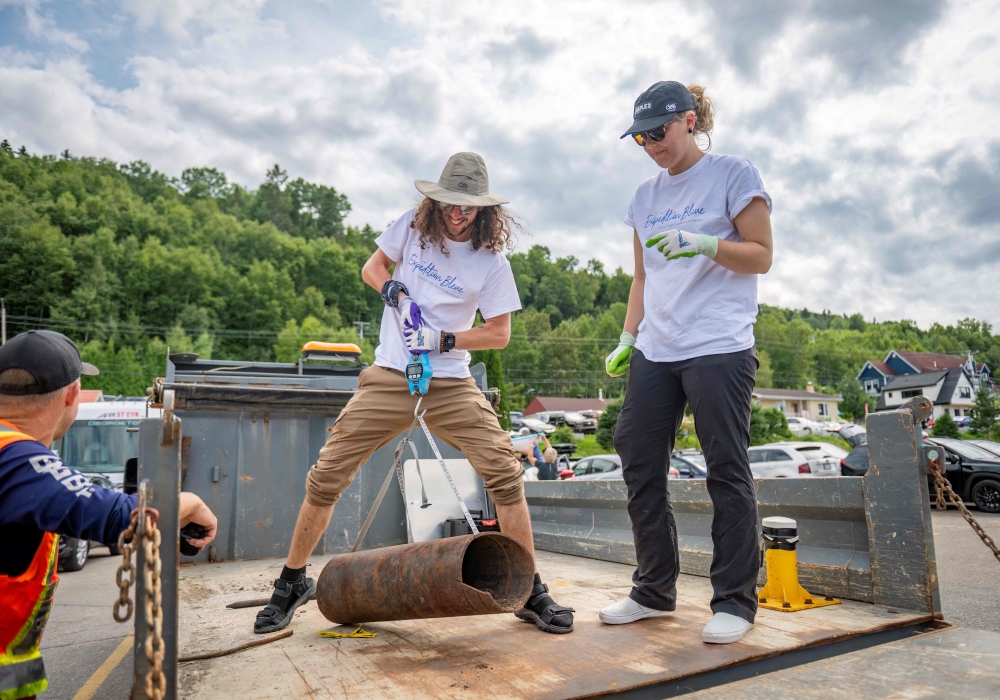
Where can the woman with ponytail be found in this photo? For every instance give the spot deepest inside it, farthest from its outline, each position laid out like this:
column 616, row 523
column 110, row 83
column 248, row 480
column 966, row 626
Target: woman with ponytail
column 702, row 233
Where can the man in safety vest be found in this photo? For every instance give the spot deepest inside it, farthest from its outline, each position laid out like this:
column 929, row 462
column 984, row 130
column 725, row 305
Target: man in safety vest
column 41, row 498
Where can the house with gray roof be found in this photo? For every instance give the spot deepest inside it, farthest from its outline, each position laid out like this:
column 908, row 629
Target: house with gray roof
column 951, row 390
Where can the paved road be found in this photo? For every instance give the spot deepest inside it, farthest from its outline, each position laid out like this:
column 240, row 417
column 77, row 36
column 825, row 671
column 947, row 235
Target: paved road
column 81, row 633
column 969, row 575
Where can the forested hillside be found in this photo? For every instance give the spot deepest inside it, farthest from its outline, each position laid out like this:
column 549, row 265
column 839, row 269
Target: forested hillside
column 128, row 261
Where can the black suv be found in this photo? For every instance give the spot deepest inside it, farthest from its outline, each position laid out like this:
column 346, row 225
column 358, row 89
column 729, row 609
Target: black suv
column 973, row 472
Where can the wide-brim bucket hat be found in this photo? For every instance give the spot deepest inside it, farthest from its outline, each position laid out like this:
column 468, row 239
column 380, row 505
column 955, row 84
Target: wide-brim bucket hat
column 463, row 181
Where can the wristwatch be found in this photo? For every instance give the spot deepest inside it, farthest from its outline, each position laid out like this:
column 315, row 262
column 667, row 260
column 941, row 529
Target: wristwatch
column 447, row 341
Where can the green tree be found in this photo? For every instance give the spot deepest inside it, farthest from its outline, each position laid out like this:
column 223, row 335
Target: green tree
column 495, row 379
column 854, row 398
column 986, row 411
column 767, row 425
column 606, row 425
column 945, row 426
column 563, row 434
column 765, row 373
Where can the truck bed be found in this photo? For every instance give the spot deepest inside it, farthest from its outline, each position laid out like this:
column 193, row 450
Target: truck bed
column 485, row 656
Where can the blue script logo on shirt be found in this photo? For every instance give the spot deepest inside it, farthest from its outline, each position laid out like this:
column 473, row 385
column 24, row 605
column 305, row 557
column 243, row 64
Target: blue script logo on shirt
column 670, row 216
column 431, row 272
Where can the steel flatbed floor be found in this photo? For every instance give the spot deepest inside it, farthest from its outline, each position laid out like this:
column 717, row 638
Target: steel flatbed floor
column 494, row 656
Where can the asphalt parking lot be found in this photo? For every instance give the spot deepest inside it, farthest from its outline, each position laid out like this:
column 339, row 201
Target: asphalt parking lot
column 82, row 635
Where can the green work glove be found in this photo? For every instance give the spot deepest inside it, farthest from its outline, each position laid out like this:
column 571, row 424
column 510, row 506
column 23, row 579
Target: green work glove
column 681, row 244
column 617, row 362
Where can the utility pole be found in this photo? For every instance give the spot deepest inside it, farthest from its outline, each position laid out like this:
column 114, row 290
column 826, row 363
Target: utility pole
column 361, row 326
column 3, row 323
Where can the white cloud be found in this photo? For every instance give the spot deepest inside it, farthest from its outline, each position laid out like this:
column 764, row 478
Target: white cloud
column 873, row 130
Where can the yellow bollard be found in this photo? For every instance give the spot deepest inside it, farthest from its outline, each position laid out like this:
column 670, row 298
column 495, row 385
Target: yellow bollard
column 782, row 590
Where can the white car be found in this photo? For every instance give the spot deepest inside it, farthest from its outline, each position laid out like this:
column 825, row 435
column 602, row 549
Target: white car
column 804, row 426
column 781, row 461
column 813, row 450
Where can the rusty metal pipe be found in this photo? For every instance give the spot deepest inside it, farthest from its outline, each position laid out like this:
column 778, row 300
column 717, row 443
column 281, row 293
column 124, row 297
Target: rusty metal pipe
column 470, row 575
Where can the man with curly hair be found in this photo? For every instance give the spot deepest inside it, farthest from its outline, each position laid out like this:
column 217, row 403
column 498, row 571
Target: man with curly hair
column 435, row 267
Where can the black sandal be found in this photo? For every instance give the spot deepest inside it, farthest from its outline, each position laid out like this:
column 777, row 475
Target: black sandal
column 285, row 600
column 547, row 615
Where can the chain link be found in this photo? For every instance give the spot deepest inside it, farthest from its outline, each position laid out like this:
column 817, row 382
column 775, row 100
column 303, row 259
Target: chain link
column 155, row 681
column 944, row 489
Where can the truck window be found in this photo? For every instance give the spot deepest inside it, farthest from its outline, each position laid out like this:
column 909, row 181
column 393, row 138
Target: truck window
column 99, row 445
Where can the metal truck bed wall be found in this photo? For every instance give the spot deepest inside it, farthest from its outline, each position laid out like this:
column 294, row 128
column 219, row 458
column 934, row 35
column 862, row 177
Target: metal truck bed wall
column 862, row 538
column 251, row 432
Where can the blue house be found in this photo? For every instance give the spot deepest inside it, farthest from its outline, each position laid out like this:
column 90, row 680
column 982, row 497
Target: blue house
column 949, row 381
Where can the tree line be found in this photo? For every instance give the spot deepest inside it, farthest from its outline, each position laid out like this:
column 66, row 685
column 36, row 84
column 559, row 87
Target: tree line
column 129, row 261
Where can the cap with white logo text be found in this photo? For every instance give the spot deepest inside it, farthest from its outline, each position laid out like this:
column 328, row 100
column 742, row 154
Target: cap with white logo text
column 50, row 357
column 658, row 105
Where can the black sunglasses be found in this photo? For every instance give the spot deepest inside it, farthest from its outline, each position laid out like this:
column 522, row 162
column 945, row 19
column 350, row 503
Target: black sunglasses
column 656, row 134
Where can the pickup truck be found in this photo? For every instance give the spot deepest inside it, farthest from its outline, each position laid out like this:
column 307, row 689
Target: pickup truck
column 243, row 436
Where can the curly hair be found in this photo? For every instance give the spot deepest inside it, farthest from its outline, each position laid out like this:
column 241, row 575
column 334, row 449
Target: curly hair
column 492, row 228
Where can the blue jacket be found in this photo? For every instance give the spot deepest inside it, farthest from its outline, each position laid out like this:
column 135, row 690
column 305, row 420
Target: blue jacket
column 38, row 494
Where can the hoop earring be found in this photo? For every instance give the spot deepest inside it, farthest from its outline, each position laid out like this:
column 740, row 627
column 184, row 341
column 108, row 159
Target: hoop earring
column 690, row 131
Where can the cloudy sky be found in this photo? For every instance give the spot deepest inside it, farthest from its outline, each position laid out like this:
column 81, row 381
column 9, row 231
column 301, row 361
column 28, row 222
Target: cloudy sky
column 873, row 124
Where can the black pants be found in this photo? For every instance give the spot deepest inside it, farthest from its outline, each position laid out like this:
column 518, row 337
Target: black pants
column 718, row 387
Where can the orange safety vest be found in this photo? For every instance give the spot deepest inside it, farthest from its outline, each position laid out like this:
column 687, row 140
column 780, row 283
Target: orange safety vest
column 25, row 602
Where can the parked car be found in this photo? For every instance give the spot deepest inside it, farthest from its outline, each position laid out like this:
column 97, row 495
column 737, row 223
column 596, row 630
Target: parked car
column 779, row 461
column 974, row 472
column 598, row 468
column 854, row 434
column 590, row 413
column 577, row 422
column 687, row 466
column 823, row 458
column 988, row 445
column 963, row 421
column 814, row 450
column 532, row 424
column 609, row 466
column 804, row 426
column 855, row 463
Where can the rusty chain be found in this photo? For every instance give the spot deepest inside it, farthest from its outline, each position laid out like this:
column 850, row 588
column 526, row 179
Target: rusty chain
column 944, row 489
column 149, row 538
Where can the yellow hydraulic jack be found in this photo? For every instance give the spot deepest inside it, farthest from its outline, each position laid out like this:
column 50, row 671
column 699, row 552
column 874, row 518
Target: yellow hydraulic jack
column 782, row 590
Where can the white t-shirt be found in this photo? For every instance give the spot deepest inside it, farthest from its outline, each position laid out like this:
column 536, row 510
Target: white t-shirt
column 447, row 288
column 694, row 306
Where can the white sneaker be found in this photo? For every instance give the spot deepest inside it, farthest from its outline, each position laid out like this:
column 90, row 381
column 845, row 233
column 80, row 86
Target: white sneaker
column 724, row 628
column 626, row 611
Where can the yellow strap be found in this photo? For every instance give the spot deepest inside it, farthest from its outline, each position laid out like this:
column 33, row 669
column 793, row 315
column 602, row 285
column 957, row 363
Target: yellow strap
column 356, row 634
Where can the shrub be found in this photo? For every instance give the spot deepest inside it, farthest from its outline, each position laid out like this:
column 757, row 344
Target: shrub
column 945, row 426
column 563, row 433
column 606, row 425
column 767, row 425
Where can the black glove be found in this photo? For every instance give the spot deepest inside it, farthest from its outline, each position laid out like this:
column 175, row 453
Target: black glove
column 390, row 292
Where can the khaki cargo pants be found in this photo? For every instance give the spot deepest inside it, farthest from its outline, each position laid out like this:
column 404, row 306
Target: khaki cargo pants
column 382, row 409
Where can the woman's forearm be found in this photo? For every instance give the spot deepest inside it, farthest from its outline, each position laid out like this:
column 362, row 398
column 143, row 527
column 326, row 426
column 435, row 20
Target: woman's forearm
column 636, row 310
column 751, row 255
column 746, row 257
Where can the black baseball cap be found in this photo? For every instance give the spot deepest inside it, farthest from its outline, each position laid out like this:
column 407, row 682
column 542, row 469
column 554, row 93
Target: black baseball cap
column 50, row 357
column 658, row 105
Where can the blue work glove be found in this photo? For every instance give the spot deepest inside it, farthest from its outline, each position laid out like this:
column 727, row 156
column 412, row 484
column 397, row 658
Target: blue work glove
column 682, row 244
column 618, row 361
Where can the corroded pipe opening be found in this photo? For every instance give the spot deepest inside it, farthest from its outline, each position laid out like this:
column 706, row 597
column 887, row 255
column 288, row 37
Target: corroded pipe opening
column 490, row 573
column 496, row 566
